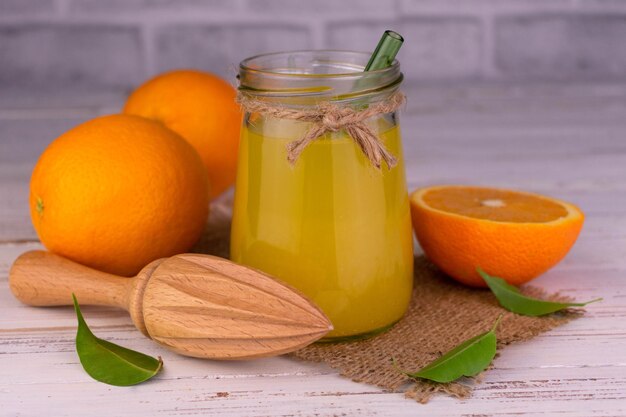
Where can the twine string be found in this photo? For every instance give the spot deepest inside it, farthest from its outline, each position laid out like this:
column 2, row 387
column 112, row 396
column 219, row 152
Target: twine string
column 330, row 117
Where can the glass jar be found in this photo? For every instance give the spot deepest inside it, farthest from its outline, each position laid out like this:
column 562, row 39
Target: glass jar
column 332, row 224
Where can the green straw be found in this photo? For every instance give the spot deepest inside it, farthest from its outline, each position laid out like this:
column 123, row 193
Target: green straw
column 385, row 51
column 382, row 57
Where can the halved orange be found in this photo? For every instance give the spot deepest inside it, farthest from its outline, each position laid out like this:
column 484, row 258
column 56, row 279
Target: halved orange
column 510, row 234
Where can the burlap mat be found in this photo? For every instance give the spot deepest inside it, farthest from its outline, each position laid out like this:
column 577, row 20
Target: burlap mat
column 442, row 315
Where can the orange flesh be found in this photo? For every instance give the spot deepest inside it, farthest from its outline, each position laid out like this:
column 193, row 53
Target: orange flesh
column 495, row 205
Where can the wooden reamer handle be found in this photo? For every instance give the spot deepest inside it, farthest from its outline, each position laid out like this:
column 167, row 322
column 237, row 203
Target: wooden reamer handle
column 41, row 278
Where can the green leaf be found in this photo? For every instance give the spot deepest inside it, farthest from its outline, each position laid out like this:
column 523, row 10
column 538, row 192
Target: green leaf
column 467, row 359
column 109, row 363
column 510, row 298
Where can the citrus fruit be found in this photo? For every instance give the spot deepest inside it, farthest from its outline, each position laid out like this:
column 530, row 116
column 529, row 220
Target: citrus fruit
column 510, row 234
column 201, row 108
column 118, row 192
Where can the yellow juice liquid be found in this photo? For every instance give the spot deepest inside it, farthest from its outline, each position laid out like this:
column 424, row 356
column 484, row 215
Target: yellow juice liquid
column 332, row 225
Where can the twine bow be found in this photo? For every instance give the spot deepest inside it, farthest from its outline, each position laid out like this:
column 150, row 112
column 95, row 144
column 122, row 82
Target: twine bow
column 331, row 117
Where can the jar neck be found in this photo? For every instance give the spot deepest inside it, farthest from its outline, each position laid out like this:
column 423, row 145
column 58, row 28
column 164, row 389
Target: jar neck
column 302, row 78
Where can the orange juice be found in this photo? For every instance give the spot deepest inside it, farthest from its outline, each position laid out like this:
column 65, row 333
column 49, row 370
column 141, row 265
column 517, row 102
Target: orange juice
column 331, row 225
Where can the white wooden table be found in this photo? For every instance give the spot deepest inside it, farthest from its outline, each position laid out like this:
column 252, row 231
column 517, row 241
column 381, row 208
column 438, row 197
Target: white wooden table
column 568, row 143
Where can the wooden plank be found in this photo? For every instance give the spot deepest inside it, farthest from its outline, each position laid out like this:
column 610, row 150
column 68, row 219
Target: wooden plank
column 540, row 393
column 598, row 332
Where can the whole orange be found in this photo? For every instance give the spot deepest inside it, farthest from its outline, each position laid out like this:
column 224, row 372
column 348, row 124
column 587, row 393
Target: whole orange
column 513, row 235
column 118, row 192
column 201, row 108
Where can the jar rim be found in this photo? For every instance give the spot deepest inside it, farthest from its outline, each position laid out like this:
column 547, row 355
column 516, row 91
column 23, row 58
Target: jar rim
column 325, row 74
column 244, row 64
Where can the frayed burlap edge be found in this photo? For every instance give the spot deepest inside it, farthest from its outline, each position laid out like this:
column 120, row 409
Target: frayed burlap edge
column 442, row 314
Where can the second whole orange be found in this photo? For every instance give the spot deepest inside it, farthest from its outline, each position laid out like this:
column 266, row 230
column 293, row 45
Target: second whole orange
column 118, row 192
column 510, row 234
column 201, row 108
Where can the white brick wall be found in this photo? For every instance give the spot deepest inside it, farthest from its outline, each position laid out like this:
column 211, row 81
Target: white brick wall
column 110, row 45
column 562, row 46
column 220, row 47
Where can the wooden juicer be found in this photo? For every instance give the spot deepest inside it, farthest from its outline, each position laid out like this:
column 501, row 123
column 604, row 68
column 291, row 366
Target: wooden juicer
column 196, row 305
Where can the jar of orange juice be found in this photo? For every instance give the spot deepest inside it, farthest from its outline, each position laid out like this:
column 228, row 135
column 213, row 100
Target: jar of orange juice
column 312, row 207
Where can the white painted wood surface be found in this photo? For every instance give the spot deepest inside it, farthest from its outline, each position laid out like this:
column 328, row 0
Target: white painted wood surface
column 568, row 145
